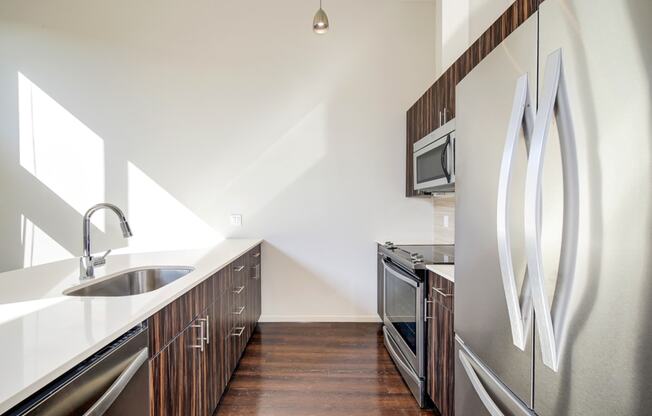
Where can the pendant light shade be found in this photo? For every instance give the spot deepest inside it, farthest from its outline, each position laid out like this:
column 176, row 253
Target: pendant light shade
column 320, row 22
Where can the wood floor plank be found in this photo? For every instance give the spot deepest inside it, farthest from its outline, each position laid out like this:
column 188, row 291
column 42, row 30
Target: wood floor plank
column 317, row 369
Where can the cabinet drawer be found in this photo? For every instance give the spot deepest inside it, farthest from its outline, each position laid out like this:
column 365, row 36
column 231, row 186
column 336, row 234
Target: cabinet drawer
column 441, row 290
column 223, row 281
column 254, row 255
column 239, row 270
column 170, row 321
column 177, row 378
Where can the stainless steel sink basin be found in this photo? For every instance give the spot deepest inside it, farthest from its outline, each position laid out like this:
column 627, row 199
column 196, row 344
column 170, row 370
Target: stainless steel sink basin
column 133, row 282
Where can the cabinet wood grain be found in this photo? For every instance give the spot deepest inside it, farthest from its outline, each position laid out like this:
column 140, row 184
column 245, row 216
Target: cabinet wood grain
column 441, row 345
column 177, row 377
column 173, row 318
column 186, row 379
column 380, row 284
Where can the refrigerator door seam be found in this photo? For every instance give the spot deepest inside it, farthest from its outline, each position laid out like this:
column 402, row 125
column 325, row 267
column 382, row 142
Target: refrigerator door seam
column 550, row 335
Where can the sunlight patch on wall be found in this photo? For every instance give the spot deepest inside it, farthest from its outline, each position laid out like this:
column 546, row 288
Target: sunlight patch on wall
column 38, row 246
column 59, row 150
column 159, row 221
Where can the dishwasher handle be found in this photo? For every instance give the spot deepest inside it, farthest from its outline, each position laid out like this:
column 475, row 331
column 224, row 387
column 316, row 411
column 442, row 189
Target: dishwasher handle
column 113, row 392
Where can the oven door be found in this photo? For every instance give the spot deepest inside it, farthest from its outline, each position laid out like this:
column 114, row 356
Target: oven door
column 433, row 164
column 404, row 314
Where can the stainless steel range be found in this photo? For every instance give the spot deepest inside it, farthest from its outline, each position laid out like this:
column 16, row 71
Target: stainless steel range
column 404, row 306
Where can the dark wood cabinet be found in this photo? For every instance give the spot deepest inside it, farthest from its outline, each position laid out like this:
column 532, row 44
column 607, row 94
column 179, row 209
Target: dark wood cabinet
column 254, row 288
column 239, row 328
column 441, row 344
column 380, row 284
column 175, row 317
column 178, row 376
column 197, row 340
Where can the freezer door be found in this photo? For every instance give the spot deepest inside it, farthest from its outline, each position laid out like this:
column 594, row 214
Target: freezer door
column 488, row 219
column 600, row 300
column 478, row 392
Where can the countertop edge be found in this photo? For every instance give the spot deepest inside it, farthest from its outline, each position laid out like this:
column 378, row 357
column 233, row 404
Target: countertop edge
column 9, row 402
column 447, row 271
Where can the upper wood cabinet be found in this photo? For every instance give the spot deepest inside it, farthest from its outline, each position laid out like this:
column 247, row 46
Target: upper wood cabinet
column 438, row 102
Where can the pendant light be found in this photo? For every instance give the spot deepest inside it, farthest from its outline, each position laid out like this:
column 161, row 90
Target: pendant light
column 320, row 22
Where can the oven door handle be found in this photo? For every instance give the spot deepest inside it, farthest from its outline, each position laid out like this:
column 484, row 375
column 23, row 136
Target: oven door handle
column 400, row 274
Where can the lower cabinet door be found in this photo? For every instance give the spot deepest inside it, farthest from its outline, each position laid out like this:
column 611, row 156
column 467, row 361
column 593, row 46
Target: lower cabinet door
column 441, row 367
column 178, row 376
column 256, row 287
column 217, row 376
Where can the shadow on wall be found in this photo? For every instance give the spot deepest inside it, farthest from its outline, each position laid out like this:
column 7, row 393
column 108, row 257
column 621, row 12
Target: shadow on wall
column 186, row 115
column 62, row 161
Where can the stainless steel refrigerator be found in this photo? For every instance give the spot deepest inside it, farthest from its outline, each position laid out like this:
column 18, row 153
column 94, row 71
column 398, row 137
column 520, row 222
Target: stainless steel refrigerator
column 553, row 289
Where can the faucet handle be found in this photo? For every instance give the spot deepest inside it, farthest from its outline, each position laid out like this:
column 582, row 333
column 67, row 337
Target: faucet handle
column 101, row 260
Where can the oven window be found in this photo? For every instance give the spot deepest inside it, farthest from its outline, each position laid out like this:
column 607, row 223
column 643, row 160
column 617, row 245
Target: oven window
column 429, row 166
column 401, row 308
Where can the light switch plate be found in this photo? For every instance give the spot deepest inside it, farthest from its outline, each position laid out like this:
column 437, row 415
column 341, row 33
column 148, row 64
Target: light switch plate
column 236, row 219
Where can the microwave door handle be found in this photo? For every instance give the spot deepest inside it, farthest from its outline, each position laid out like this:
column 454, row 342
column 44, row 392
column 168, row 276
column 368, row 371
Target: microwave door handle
column 444, row 158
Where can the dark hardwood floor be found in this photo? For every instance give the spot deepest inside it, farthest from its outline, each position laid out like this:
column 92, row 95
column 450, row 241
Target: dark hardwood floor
column 317, row 369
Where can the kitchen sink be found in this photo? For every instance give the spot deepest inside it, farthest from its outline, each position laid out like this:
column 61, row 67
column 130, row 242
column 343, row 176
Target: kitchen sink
column 132, row 282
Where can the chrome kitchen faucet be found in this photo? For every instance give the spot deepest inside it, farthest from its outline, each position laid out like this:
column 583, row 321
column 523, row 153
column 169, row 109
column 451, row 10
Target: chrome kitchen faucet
column 87, row 262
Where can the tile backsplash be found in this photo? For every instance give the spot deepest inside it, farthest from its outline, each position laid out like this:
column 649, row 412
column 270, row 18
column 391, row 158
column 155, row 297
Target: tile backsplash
column 444, row 206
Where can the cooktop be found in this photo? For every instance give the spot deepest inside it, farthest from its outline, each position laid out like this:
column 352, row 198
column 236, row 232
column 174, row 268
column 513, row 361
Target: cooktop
column 421, row 254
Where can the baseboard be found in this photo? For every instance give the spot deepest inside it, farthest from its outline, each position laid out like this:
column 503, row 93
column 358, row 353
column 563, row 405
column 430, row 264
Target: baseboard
column 319, row 318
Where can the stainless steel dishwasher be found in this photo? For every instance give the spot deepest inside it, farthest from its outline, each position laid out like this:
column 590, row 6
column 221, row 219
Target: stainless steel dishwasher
column 114, row 381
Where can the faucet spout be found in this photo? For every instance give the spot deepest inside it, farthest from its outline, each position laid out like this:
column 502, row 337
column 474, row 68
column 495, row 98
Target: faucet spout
column 87, row 263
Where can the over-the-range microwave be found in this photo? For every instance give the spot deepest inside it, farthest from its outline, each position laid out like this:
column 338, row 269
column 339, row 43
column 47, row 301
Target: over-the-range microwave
column 434, row 160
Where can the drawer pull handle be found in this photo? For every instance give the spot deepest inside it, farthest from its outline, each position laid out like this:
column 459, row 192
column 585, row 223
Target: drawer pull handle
column 256, row 272
column 207, row 338
column 439, row 290
column 257, row 255
column 202, row 336
column 238, row 290
column 242, row 308
column 239, row 268
column 240, row 329
column 425, row 310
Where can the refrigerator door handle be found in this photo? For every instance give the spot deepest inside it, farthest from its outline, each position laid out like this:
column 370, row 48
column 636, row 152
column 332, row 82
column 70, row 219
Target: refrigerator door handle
column 519, row 314
column 554, row 102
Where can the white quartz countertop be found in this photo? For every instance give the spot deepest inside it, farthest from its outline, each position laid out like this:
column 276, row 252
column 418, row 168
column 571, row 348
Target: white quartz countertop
column 43, row 333
column 444, row 270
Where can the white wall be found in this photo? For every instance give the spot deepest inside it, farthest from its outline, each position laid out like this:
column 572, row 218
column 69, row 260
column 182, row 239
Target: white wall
column 460, row 23
column 183, row 112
